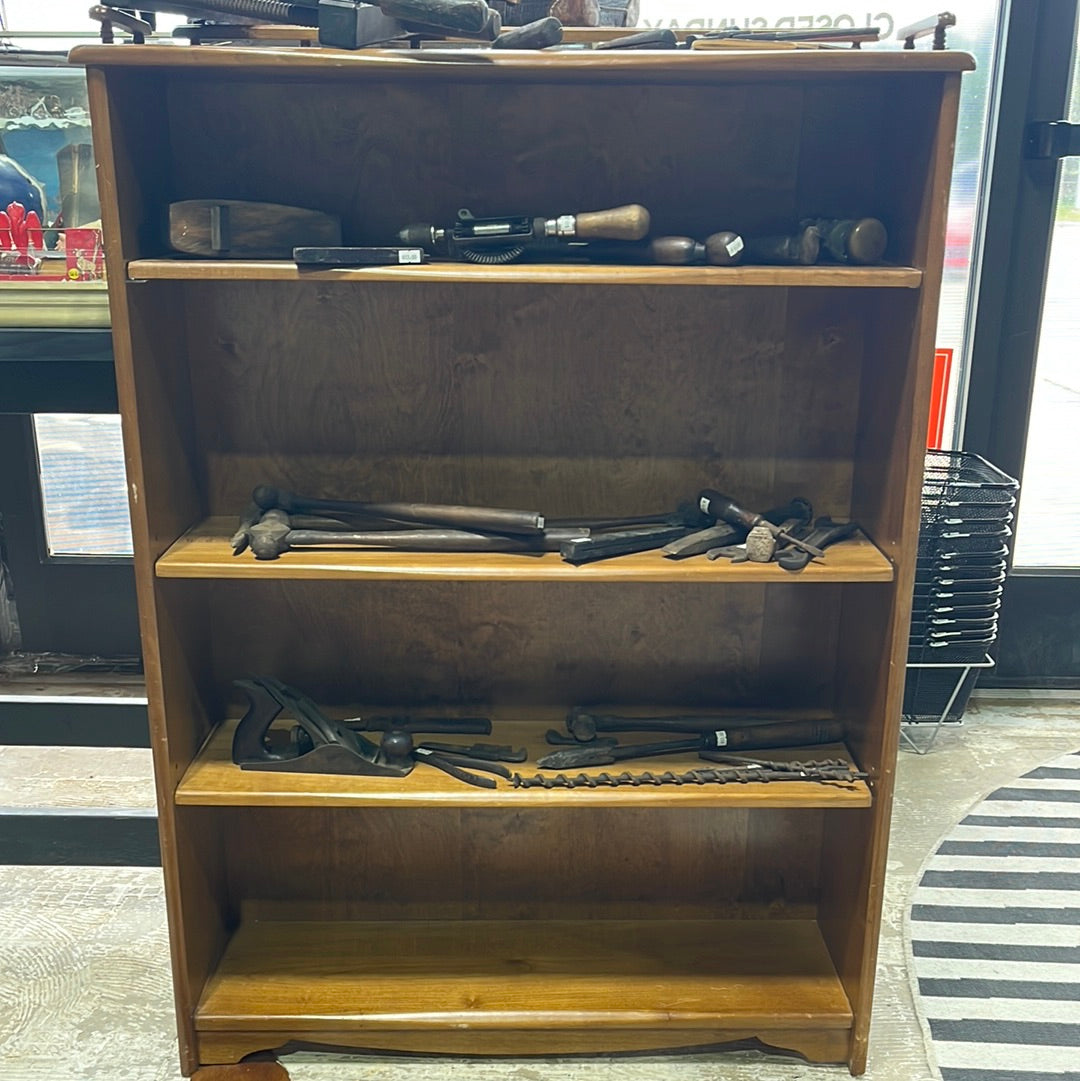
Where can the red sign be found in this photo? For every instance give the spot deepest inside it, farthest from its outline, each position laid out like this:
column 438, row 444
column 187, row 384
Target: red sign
column 939, row 397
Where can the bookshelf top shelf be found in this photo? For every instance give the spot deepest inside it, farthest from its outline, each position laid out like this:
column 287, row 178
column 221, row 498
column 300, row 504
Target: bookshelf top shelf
column 474, row 64
column 882, row 277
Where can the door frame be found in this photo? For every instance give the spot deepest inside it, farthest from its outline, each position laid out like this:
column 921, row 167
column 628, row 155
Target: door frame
column 1039, row 641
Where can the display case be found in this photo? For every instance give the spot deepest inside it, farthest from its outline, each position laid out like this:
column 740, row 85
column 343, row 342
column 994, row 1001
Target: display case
column 51, row 260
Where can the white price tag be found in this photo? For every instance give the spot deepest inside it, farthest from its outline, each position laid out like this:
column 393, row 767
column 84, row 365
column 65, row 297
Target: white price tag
column 409, row 255
column 734, row 247
column 721, row 738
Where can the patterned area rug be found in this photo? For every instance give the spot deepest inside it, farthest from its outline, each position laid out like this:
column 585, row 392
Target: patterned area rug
column 995, row 934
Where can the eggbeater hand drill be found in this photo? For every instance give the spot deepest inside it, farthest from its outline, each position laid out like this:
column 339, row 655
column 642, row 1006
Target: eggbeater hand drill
column 504, row 240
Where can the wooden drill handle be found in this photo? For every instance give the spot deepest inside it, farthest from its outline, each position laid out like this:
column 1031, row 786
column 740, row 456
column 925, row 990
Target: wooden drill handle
column 629, row 222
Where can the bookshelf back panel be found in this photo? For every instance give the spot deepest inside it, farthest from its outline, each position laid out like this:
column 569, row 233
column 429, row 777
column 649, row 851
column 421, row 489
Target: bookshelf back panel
column 469, row 864
column 571, row 401
column 383, row 154
column 518, row 644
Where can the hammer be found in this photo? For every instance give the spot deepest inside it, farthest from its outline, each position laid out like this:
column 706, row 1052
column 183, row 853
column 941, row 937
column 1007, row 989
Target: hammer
column 494, row 518
column 273, row 534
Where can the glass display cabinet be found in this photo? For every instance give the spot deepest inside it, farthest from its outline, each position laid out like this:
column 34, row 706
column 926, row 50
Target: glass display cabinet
column 51, row 266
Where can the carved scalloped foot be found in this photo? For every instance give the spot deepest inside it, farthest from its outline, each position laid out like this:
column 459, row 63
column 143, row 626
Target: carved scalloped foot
column 262, row 1067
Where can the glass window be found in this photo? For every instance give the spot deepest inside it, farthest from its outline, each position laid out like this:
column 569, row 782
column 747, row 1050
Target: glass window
column 976, row 32
column 1048, row 528
column 61, row 18
column 83, row 489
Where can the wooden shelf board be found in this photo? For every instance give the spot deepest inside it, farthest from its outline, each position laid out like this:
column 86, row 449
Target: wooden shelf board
column 490, row 975
column 213, row 780
column 204, row 552
column 476, row 65
column 888, row 277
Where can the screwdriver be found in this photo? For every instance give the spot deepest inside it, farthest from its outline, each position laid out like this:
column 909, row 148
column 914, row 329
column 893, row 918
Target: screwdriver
column 724, row 508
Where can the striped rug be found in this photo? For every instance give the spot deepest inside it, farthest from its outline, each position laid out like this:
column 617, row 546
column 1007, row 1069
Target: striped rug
column 995, row 934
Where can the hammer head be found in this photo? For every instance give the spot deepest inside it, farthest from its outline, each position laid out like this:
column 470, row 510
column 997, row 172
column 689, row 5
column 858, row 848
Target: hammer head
column 760, row 544
column 268, row 537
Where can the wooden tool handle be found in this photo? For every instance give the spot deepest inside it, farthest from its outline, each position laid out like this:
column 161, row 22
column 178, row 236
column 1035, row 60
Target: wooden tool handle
column 496, row 519
column 647, row 39
column 677, row 251
column 724, row 249
column 785, row 734
column 629, row 222
column 411, row 540
column 724, row 509
column 535, row 35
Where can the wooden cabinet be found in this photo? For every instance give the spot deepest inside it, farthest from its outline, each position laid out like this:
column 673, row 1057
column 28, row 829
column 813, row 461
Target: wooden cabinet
column 423, row 914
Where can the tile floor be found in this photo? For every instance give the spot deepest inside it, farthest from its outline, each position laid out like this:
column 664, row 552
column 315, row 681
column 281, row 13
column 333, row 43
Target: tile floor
column 84, row 984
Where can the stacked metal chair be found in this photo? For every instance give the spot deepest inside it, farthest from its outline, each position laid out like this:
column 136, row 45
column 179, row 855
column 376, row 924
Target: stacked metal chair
column 964, row 543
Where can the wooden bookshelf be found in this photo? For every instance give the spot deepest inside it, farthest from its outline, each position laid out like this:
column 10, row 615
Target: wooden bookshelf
column 419, row 914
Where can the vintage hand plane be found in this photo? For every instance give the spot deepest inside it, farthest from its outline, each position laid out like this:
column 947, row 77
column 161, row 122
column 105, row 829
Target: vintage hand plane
column 319, row 744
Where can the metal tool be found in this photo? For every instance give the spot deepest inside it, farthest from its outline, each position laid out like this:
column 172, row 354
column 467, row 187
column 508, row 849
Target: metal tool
column 646, row 39
column 790, row 249
column 826, row 532
column 720, row 536
column 686, row 514
column 861, row 241
column 504, row 240
column 724, row 508
column 586, row 727
column 539, row 34
column 856, row 35
column 240, row 538
column 347, row 24
column 484, row 752
column 320, row 745
column 761, row 543
column 110, row 17
column 346, row 257
column 606, row 545
column 744, row 737
column 460, row 726
column 828, row 771
column 273, row 535
column 935, row 25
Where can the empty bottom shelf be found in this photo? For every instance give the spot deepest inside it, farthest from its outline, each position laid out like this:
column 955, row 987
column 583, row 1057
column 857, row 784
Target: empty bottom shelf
column 581, row 982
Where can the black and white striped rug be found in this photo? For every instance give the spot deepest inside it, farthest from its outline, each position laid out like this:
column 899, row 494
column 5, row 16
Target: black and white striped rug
column 995, row 934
